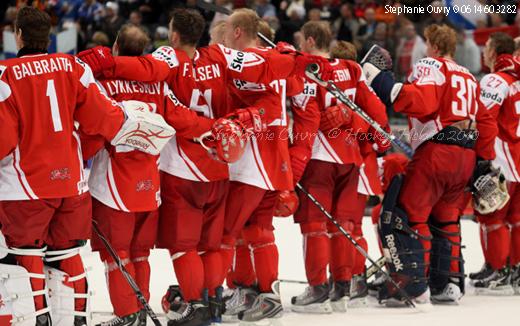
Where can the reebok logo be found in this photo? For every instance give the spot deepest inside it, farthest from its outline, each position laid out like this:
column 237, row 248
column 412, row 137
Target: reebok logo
column 390, row 241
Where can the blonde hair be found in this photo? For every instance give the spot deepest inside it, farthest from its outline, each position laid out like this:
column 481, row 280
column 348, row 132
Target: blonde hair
column 344, row 50
column 265, row 30
column 443, row 37
column 247, row 20
column 320, row 32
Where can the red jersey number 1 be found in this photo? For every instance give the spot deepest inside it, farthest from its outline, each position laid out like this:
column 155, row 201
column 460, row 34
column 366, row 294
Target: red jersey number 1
column 55, row 109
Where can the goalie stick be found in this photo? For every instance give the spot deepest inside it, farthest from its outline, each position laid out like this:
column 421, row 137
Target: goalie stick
column 312, row 72
column 360, row 249
column 127, row 276
column 209, row 6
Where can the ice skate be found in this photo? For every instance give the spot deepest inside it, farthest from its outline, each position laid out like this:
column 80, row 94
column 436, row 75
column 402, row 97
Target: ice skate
column 266, row 305
column 195, row 313
column 339, row 296
column 241, row 300
column 376, row 284
column 358, row 292
column 128, row 320
column 450, row 295
column 515, row 278
column 498, row 283
column 80, row 321
column 314, row 300
column 216, row 306
column 483, row 273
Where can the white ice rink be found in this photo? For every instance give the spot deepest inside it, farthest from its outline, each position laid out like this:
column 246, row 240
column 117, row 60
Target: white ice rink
column 472, row 311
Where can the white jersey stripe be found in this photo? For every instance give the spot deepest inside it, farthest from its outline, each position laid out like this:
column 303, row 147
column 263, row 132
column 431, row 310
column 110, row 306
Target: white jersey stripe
column 364, row 186
column 192, row 166
column 21, row 174
column 329, row 148
column 113, row 188
column 260, row 164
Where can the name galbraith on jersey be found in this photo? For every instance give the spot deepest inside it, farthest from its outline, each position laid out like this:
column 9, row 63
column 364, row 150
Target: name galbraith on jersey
column 40, row 67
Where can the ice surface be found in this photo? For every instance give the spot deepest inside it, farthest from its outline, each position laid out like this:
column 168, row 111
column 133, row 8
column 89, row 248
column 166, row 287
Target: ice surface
column 472, row 311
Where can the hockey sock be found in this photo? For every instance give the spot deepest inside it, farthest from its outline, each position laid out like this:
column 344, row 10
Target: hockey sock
column 243, row 272
column 142, row 271
column 190, row 274
column 515, row 243
column 359, row 259
column 316, row 247
column 341, row 253
column 497, row 241
column 227, row 254
column 34, row 264
column 74, row 267
column 212, row 262
column 483, row 242
column 122, row 296
column 265, row 253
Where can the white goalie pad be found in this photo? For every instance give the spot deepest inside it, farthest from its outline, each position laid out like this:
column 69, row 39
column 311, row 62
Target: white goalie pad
column 17, row 297
column 61, row 290
column 143, row 130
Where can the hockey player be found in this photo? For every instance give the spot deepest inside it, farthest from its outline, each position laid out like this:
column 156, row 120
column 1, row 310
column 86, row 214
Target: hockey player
column 125, row 204
column 500, row 231
column 46, row 99
column 328, row 163
column 442, row 104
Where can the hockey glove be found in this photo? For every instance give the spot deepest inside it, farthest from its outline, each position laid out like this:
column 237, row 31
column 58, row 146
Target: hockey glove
column 99, row 59
column 303, row 60
column 299, row 160
column 489, row 188
column 142, row 129
column 381, row 143
column 226, row 141
column 383, row 83
column 250, row 118
column 285, row 48
column 335, row 116
column 286, row 203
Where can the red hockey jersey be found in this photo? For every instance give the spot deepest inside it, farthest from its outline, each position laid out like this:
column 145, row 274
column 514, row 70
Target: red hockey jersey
column 339, row 145
column 44, row 100
column 441, row 93
column 126, row 179
column 500, row 94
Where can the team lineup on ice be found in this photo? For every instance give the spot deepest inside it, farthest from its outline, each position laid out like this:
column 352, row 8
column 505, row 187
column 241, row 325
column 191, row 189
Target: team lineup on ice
column 140, row 189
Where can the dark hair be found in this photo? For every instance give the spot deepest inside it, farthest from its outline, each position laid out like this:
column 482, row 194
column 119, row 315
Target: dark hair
column 189, row 24
column 320, row 32
column 132, row 40
column 502, row 43
column 35, row 26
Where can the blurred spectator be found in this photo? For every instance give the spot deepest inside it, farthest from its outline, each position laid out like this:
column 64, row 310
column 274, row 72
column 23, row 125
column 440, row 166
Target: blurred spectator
column 329, row 10
column 369, row 26
column 380, row 37
column 112, row 22
column 346, row 27
column 9, row 18
column 467, row 53
column 410, row 50
column 517, row 47
column 160, row 37
column 136, row 18
column 361, row 7
column 496, row 20
column 314, row 14
column 219, row 16
column 264, row 8
column 290, row 20
column 90, row 12
column 382, row 15
column 434, row 18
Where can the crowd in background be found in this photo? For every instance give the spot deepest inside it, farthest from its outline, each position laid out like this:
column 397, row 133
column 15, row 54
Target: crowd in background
column 362, row 22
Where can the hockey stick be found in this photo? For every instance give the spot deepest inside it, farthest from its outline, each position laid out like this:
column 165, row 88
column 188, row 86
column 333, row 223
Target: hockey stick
column 127, row 275
column 360, row 249
column 209, row 6
column 312, row 73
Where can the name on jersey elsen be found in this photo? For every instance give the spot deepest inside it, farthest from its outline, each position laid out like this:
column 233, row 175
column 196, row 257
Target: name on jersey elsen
column 40, row 67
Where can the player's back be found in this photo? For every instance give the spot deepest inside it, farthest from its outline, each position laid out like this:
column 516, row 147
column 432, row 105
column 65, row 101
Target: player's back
column 43, row 90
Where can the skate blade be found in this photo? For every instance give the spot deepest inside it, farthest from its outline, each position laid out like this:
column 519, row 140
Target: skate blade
column 358, row 303
column 506, row 290
column 445, row 302
column 314, row 308
column 273, row 320
column 229, row 319
column 340, row 305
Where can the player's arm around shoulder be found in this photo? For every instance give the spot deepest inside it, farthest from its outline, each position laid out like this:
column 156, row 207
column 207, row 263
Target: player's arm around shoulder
column 242, row 65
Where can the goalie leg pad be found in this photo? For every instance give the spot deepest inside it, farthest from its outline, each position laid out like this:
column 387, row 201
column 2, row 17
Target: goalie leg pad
column 402, row 246
column 447, row 264
column 68, row 286
column 22, row 285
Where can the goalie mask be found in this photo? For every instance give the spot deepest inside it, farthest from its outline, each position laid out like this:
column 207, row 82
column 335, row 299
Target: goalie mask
column 226, row 141
column 489, row 191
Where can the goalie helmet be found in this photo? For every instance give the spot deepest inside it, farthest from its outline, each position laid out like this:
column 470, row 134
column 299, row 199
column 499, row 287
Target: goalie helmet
column 226, row 141
column 490, row 191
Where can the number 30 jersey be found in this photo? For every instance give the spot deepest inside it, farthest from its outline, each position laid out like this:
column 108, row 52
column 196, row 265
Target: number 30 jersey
column 440, row 94
column 500, row 94
column 44, row 100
